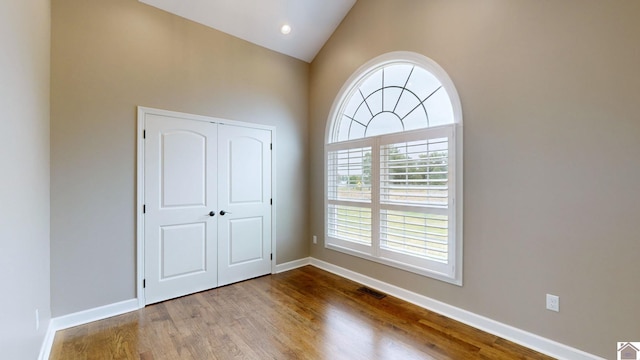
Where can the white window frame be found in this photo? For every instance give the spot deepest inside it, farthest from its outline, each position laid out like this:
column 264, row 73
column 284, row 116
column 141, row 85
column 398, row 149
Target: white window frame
column 450, row 272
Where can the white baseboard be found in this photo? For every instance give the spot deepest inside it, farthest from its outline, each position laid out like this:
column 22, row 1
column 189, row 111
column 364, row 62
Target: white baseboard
column 47, row 343
column 83, row 317
column 292, row 265
column 524, row 338
column 95, row 314
column 532, row 341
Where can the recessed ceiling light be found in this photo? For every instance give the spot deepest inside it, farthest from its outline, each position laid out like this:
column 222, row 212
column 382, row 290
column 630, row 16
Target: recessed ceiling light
column 285, row 29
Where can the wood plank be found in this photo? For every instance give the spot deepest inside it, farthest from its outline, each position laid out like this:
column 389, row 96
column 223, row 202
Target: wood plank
column 305, row 313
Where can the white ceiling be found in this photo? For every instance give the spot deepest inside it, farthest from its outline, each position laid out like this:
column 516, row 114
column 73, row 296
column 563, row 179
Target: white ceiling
column 259, row 21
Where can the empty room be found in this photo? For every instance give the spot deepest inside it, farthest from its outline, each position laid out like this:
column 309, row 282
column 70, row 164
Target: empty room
column 320, row 179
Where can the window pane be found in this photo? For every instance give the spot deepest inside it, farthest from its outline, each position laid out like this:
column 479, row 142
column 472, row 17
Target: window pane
column 372, row 84
column 384, row 123
column 351, row 107
column 363, row 115
column 374, row 101
column 408, row 103
column 349, row 223
column 343, row 130
column 349, row 173
column 402, row 114
column 439, row 108
column 393, row 98
column 416, row 119
column 397, row 75
column 370, row 90
column 415, row 173
column 422, row 83
column 414, row 233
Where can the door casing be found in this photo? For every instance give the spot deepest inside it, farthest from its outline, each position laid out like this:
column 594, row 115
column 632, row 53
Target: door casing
column 140, row 235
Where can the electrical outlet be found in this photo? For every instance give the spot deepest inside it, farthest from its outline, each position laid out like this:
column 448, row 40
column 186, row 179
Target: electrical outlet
column 315, row 239
column 553, row 303
column 37, row 320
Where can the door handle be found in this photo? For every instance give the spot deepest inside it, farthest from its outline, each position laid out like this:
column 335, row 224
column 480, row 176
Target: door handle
column 222, row 212
column 212, row 213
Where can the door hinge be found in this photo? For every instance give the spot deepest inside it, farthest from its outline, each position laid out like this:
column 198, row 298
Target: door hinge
column 144, row 283
column 271, row 202
column 271, row 146
column 144, row 134
column 271, row 256
column 144, row 209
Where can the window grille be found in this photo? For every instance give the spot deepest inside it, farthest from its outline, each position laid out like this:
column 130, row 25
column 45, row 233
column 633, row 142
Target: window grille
column 393, row 160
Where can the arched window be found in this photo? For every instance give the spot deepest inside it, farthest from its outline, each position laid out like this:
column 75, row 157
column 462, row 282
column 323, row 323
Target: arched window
column 394, row 161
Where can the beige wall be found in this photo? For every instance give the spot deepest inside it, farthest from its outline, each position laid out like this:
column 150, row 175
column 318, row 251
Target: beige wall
column 551, row 95
column 24, row 176
column 107, row 58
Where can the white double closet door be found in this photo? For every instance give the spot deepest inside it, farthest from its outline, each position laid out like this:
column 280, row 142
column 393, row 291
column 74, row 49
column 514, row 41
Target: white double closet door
column 207, row 199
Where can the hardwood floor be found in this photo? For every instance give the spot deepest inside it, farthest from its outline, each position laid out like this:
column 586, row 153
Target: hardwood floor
column 305, row 313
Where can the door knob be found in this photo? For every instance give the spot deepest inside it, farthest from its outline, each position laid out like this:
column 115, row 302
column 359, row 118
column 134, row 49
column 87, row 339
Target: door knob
column 212, row 213
column 222, row 212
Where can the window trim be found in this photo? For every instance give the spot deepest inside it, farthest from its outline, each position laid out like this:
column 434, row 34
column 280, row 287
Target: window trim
column 349, row 87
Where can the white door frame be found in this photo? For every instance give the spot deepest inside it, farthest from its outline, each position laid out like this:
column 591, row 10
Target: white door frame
column 142, row 112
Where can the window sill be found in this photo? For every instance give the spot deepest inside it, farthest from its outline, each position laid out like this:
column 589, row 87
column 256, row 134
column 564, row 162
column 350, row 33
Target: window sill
column 441, row 276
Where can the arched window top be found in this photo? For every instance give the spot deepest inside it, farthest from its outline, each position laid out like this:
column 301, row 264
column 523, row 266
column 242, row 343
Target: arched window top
column 393, row 150
column 395, row 92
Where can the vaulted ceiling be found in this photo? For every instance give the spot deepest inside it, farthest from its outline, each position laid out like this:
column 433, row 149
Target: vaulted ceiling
column 260, row 21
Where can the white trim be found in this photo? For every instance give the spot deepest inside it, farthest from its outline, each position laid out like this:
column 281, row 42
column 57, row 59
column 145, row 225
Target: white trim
column 274, row 202
column 524, row 338
column 451, row 271
column 455, row 274
column 95, row 314
column 431, row 272
column 81, row 318
column 518, row 336
column 47, row 343
column 142, row 112
column 139, row 203
column 458, row 201
column 395, row 56
column 181, row 115
column 280, row 268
